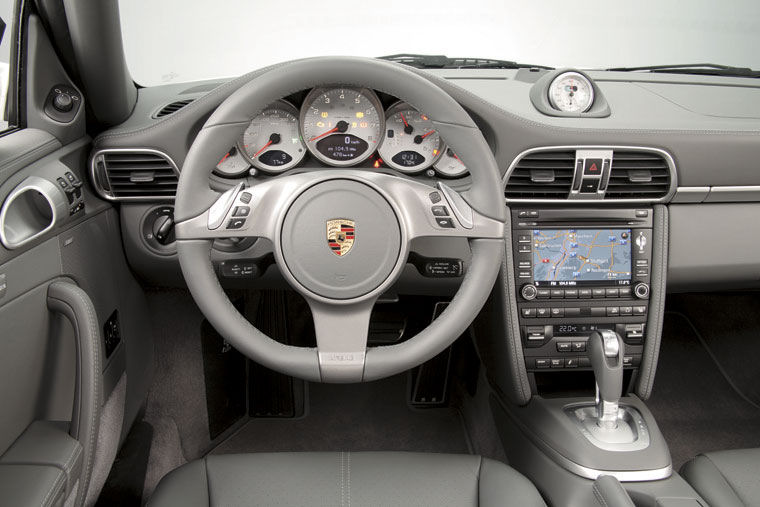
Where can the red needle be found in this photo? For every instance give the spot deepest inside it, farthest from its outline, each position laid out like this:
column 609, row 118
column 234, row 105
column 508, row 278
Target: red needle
column 323, row 135
column 423, row 136
column 404, row 120
column 262, row 149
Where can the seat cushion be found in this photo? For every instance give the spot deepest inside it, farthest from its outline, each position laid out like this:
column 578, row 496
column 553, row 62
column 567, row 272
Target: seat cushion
column 344, row 479
column 726, row 478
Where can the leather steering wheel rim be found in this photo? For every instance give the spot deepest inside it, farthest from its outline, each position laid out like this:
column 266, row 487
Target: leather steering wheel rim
column 485, row 198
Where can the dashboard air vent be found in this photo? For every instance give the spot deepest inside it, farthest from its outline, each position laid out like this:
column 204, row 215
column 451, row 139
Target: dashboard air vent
column 542, row 175
column 638, row 174
column 135, row 174
column 172, row 108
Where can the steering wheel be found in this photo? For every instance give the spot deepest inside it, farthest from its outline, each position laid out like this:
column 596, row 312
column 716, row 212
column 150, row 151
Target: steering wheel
column 382, row 212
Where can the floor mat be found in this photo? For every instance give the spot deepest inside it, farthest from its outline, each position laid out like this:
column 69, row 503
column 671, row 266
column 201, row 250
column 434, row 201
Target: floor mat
column 124, row 486
column 694, row 405
column 355, row 417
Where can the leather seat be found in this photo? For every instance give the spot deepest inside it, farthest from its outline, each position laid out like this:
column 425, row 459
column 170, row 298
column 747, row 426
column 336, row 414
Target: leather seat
column 726, row 478
column 345, row 479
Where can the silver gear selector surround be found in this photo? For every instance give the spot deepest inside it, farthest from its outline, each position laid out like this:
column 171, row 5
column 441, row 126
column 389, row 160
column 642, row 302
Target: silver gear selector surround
column 310, row 240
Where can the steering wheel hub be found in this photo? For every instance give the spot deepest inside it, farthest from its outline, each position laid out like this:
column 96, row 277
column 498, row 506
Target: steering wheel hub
column 340, row 239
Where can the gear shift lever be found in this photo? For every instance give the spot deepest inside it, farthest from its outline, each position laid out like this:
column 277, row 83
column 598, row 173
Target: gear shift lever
column 606, row 351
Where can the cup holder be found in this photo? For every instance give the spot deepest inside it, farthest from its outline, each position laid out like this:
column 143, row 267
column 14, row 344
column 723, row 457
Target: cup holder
column 29, row 211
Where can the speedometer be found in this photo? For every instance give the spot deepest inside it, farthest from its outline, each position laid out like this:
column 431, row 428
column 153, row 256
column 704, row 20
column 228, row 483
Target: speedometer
column 342, row 126
column 571, row 92
column 411, row 142
column 273, row 141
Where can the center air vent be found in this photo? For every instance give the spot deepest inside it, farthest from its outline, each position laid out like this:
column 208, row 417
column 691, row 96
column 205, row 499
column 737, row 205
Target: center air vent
column 172, row 108
column 638, row 174
column 542, row 175
column 135, row 175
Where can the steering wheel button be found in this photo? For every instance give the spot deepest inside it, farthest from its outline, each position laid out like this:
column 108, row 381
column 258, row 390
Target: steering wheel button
column 445, row 223
column 440, row 211
column 241, row 211
column 435, row 197
column 245, row 197
column 236, row 223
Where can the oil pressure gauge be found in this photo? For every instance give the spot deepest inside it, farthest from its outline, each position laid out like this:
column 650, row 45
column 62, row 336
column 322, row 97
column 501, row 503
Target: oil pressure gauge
column 571, row 92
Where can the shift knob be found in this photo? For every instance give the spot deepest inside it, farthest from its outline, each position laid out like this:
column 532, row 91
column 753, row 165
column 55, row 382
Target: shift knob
column 606, row 350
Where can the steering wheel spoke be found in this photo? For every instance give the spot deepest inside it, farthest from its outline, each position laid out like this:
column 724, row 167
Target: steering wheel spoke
column 341, row 338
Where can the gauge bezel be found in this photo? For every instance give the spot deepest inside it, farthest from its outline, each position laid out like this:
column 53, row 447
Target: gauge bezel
column 393, row 109
column 578, row 76
column 443, row 174
column 255, row 162
column 374, row 100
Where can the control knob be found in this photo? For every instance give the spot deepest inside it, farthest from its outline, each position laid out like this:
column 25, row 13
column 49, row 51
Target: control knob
column 528, row 292
column 63, row 102
column 641, row 290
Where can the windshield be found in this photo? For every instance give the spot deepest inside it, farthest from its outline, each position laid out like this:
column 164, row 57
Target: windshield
column 179, row 40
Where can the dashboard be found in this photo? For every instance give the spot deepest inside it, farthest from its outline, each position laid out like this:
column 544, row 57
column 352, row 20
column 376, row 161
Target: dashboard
column 340, row 126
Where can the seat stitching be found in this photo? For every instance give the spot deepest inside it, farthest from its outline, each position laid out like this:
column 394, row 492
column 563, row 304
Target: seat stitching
column 349, row 477
column 52, row 489
column 598, row 495
column 480, row 471
column 342, row 481
column 730, row 485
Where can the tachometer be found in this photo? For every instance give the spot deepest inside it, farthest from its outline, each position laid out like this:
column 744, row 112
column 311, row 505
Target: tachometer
column 342, row 126
column 273, row 141
column 571, row 92
column 411, row 143
column 449, row 164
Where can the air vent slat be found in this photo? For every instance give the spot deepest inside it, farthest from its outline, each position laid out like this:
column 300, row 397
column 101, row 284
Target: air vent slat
column 638, row 174
column 140, row 175
column 542, row 175
column 172, row 108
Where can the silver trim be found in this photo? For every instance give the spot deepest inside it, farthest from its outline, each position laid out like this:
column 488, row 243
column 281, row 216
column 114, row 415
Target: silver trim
column 740, row 193
column 46, row 189
column 109, row 196
column 462, row 211
column 630, row 422
column 690, row 194
column 668, row 159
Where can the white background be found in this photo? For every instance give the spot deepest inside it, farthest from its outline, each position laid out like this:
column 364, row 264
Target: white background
column 185, row 40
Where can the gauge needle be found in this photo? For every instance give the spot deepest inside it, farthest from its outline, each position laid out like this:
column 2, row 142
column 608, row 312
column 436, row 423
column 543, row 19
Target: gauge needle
column 407, row 128
column 273, row 139
column 418, row 139
column 340, row 127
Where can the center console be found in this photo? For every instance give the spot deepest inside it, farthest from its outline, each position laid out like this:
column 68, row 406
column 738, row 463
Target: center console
column 578, row 271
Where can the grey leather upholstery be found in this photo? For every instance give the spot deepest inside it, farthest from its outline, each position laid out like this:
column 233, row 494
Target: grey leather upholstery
column 345, row 479
column 726, row 478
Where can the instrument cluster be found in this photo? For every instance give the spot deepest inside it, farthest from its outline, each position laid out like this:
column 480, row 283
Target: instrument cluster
column 341, row 127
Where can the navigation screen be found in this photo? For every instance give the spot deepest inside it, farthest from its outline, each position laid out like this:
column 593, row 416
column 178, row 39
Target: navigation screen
column 581, row 256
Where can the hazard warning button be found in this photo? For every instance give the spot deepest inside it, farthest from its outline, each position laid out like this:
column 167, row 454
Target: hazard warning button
column 592, row 167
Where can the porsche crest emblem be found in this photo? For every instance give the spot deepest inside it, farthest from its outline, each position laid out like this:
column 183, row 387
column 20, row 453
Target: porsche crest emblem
column 341, row 234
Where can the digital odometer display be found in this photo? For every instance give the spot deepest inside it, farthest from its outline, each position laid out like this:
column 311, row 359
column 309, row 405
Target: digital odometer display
column 581, row 256
column 342, row 147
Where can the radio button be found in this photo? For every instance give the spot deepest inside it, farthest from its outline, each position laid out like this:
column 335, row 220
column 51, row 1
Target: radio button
column 642, row 263
column 642, row 271
column 585, row 362
column 579, row 346
column 613, row 311
column 571, row 362
column 584, row 293
column 523, row 238
column 558, row 312
column 571, row 293
column 542, row 312
column 542, row 363
column 543, row 293
column 558, row 293
column 641, row 290
column 572, row 312
column 564, row 346
column 598, row 293
column 523, row 274
column 558, row 362
column 625, row 292
column 611, row 293
column 528, row 313
column 524, row 264
column 528, row 291
column 523, row 248
column 639, row 310
column 598, row 311
column 626, row 310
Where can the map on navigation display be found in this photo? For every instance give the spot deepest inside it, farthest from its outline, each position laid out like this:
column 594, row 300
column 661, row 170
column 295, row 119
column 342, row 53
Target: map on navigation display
column 581, row 255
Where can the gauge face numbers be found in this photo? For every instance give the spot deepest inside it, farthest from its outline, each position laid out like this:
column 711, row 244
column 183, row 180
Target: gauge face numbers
column 571, row 92
column 449, row 164
column 232, row 164
column 272, row 142
column 342, row 126
column 411, row 142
